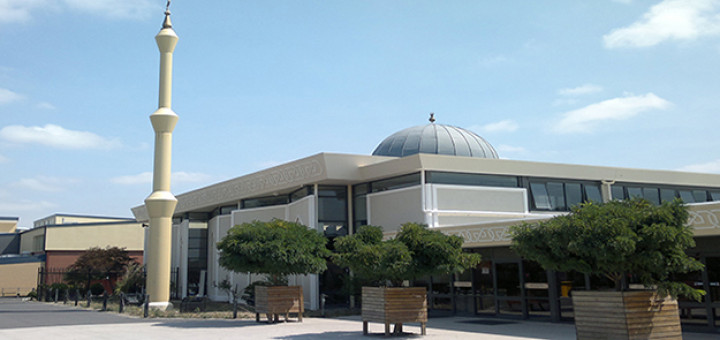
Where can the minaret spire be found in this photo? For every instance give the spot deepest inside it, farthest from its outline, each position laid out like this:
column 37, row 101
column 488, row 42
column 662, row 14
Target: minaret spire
column 166, row 22
column 161, row 202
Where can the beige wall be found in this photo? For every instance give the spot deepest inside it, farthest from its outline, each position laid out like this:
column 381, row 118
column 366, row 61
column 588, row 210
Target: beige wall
column 8, row 226
column 488, row 199
column 32, row 240
column 18, row 278
column 705, row 219
column 390, row 209
column 130, row 236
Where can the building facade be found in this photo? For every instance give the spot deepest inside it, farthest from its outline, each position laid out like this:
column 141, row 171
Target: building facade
column 453, row 181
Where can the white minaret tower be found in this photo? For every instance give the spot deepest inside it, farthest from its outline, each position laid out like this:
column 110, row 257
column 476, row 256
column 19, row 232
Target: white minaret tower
column 161, row 203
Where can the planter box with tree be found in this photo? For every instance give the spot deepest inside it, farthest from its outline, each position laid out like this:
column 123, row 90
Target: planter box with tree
column 614, row 240
column 415, row 252
column 277, row 248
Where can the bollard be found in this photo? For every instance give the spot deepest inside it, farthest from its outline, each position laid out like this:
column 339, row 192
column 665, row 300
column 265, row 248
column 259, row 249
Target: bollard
column 77, row 296
column 105, row 298
column 122, row 303
column 89, row 298
column 57, row 291
column 322, row 304
column 235, row 309
column 146, row 305
column 66, row 297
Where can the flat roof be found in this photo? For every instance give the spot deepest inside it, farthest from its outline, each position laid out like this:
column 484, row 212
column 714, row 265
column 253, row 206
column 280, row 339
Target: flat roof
column 347, row 169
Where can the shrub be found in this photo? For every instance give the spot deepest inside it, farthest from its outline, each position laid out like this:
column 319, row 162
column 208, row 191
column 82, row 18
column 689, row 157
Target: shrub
column 415, row 251
column 97, row 288
column 615, row 239
column 277, row 248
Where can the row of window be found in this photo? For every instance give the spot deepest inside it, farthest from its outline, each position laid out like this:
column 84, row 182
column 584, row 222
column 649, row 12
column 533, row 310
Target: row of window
column 544, row 194
column 657, row 194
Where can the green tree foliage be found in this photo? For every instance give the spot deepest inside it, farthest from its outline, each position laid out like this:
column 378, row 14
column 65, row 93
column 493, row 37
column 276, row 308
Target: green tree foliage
column 97, row 264
column 614, row 239
column 133, row 280
column 277, row 248
column 416, row 251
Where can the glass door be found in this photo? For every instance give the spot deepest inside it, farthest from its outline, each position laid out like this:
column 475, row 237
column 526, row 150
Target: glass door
column 484, row 288
column 508, row 299
column 536, row 290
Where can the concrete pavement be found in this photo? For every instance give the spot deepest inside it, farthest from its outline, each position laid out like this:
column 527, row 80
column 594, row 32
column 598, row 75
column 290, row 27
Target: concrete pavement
column 32, row 320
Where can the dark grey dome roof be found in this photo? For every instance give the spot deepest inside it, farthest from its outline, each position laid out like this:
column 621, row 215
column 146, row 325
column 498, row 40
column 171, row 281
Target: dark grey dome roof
column 435, row 139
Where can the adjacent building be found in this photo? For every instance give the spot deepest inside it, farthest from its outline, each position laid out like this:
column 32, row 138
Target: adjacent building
column 55, row 242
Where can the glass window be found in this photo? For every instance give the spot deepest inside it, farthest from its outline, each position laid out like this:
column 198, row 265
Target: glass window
column 700, row 195
column 332, row 204
column 301, row 193
column 438, row 177
column 634, row 192
column 618, row 192
column 715, row 195
column 360, row 205
column 264, row 201
column 540, row 196
column 556, row 195
column 668, row 195
column 652, row 195
column 592, row 193
column 396, row 182
column 687, row 196
column 573, row 191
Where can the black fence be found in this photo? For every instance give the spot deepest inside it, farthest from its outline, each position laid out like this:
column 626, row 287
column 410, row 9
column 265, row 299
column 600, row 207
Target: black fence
column 53, row 284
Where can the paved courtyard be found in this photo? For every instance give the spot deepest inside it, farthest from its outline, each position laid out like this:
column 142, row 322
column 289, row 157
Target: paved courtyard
column 32, row 320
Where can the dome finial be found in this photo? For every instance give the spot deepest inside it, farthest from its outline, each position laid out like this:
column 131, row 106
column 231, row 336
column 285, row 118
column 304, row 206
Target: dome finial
column 167, row 23
column 432, row 117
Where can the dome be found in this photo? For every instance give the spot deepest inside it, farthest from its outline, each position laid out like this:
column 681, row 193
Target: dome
column 435, row 139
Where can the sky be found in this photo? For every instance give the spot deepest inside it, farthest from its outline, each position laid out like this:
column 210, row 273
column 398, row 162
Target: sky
column 625, row 83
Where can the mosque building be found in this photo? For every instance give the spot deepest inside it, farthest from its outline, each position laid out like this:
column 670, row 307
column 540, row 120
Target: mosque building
column 452, row 180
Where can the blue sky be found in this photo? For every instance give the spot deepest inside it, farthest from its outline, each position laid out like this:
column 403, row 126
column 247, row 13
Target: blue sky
column 256, row 83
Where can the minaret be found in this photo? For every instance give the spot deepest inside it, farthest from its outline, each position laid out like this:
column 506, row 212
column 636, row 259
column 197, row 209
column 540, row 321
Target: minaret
column 161, row 203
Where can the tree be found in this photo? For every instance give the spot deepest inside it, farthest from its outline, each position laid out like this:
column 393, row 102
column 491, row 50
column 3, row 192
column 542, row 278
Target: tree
column 133, row 280
column 415, row 251
column 277, row 248
column 615, row 239
column 97, row 264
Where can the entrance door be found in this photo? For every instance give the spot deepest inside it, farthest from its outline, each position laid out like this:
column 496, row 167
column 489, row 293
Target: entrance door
column 508, row 289
column 484, row 283
column 537, row 289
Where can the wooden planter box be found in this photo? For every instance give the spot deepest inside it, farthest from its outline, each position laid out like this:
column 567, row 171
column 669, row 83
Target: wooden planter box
column 394, row 306
column 625, row 315
column 277, row 300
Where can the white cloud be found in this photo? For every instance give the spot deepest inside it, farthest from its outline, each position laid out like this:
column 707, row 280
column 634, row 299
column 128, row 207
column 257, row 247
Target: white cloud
column 45, row 106
column 709, row 167
column 7, row 96
column 580, row 90
column 668, row 20
column 18, row 11
column 45, row 183
column 146, row 178
column 15, row 206
column 510, row 149
column 564, row 101
column 56, row 136
column 3, row 159
column 501, row 126
column 126, row 9
column 622, row 108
